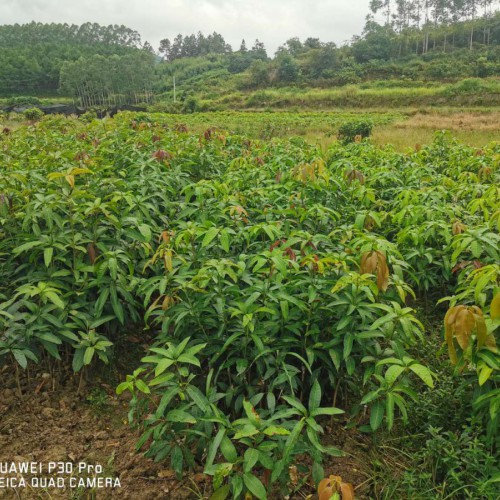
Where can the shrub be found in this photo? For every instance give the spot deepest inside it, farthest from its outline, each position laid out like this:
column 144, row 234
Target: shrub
column 469, row 86
column 350, row 130
column 89, row 115
column 33, row 114
column 23, row 101
column 190, row 105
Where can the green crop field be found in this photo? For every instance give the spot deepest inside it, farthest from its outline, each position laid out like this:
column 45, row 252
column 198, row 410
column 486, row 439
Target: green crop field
column 288, row 310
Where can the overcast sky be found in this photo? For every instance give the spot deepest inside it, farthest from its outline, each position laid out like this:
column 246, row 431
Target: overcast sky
column 271, row 21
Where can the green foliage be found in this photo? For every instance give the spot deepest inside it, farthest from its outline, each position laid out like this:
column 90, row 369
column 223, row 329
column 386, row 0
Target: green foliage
column 287, row 69
column 193, row 46
column 277, row 279
column 190, row 105
column 23, row 101
column 470, row 86
column 349, row 131
column 449, row 465
column 33, row 114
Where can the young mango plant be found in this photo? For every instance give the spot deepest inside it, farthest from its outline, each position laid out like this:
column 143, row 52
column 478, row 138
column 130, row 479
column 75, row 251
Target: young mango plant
column 333, row 488
column 474, row 333
column 392, row 386
column 269, row 444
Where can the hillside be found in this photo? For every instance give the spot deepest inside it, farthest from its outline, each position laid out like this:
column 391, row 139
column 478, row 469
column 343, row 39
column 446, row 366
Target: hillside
column 408, row 60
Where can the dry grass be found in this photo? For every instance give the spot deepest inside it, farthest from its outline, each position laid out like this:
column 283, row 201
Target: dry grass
column 455, row 122
column 474, row 128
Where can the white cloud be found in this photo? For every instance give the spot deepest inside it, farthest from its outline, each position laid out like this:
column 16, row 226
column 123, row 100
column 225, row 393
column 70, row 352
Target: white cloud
column 271, row 21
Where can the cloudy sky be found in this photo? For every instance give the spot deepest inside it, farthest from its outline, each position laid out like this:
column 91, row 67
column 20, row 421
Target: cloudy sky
column 271, row 21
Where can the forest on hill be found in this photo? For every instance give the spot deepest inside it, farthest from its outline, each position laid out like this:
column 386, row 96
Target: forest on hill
column 406, row 41
column 32, row 55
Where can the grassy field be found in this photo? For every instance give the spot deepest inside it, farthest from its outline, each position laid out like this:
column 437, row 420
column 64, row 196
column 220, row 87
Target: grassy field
column 212, row 96
column 403, row 128
column 474, row 128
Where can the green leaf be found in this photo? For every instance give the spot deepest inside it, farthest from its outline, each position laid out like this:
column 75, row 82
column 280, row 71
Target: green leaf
column 280, row 264
column 180, row 416
column 176, row 460
column 20, row 358
column 198, row 397
column 78, row 360
column 389, row 410
column 390, row 361
column 165, row 400
column 348, row 342
column 188, row 358
column 89, row 354
column 246, row 431
column 27, row 246
column 318, row 473
column 228, row 450
column 241, row 366
column 250, row 459
column 162, row 379
column 315, row 396
column 124, row 386
column 490, row 358
column 221, row 493
column 484, row 374
column 47, row 256
column 163, row 365
column 370, row 397
column 376, row 414
column 49, row 337
column 326, row 411
column 142, row 386
column 116, row 305
column 113, row 267
column 476, row 249
column 284, row 309
column 214, row 446
column 393, row 372
column 273, row 430
column 98, row 322
column 293, row 438
column 296, row 404
column 101, row 302
column 55, row 299
column 209, row 236
column 336, row 359
column 224, row 240
column 255, row 486
column 424, row 373
column 251, row 413
column 145, row 231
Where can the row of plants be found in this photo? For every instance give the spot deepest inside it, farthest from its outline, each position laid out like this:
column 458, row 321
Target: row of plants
column 280, row 282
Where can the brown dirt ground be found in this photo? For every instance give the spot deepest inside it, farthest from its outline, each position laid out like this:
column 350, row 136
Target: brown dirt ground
column 52, row 424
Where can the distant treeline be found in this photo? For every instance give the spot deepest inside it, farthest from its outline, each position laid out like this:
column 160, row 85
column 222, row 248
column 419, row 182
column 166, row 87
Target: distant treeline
column 406, row 40
column 100, row 81
column 32, row 55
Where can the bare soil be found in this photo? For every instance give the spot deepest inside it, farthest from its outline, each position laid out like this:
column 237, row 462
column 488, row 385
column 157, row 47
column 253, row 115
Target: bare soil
column 53, row 424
